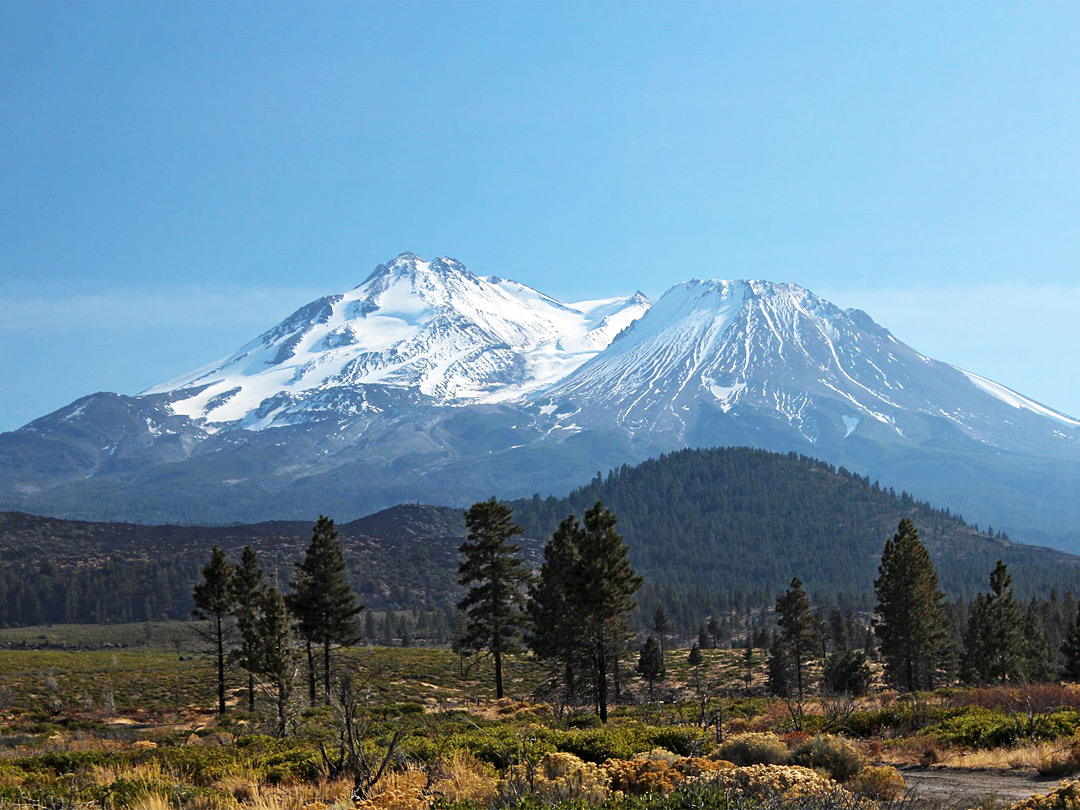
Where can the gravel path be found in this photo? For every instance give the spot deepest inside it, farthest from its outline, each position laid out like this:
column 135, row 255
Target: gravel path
column 948, row 787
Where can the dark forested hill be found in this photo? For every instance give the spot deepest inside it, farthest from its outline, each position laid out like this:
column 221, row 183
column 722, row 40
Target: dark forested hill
column 723, row 528
column 63, row 570
column 738, row 524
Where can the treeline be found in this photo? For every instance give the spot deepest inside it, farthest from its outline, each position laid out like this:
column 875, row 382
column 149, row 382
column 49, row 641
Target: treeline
column 717, row 531
column 996, row 640
column 120, row 591
column 574, row 616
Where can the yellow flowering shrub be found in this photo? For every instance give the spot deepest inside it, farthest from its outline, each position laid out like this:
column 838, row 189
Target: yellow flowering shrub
column 879, row 782
column 787, row 783
column 755, row 748
column 1065, row 797
column 659, row 773
column 639, row 776
column 559, row 776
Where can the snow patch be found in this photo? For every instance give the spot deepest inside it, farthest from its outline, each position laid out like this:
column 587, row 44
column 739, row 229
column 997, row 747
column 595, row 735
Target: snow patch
column 726, row 395
column 850, row 422
column 1010, row 397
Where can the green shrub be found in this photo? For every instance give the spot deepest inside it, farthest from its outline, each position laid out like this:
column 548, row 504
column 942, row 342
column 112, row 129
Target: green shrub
column 584, row 721
column 993, row 728
column 601, row 744
column 831, row 754
column 683, row 740
column 503, row 746
column 755, row 748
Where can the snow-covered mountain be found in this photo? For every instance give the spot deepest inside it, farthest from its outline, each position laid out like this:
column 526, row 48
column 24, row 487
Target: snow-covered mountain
column 427, row 382
column 431, row 327
column 755, row 349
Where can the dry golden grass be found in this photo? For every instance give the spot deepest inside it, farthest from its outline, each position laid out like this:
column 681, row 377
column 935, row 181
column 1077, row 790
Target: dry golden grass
column 1021, row 756
column 403, row 790
column 154, row 801
column 149, row 771
column 462, row 777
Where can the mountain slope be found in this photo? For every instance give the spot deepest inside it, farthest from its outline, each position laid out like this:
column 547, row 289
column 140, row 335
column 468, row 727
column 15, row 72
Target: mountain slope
column 754, row 348
column 430, row 383
column 707, row 529
column 429, row 327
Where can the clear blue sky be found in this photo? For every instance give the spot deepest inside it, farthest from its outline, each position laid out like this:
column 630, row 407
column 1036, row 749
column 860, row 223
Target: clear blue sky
column 174, row 178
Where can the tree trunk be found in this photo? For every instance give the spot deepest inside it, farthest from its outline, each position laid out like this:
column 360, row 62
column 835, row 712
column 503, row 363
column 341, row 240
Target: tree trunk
column 311, row 672
column 798, row 671
column 601, row 680
column 498, row 675
column 251, row 693
column 617, row 677
column 281, row 709
column 326, row 669
column 220, row 667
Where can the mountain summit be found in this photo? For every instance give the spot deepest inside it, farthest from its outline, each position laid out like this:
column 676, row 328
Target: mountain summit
column 432, row 328
column 428, row 382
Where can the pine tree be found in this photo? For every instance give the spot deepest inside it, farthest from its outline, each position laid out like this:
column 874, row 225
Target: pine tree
column 650, row 664
column 213, row 599
column 694, row 658
column 1071, row 648
column 798, row 631
column 603, row 585
column 846, row 673
column 493, row 571
column 1039, row 661
column 247, row 588
column 714, row 631
column 780, row 669
column 910, row 618
column 324, row 605
column 748, row 661
column 661, row 625
column 993, row 643
column 555, row 623
column 275, row 652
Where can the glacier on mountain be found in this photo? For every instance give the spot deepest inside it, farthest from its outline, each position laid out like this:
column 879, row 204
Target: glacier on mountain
column 432, row 327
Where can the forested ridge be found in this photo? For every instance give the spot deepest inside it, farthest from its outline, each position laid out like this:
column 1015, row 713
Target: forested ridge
column 708, row 529
column 730, row 527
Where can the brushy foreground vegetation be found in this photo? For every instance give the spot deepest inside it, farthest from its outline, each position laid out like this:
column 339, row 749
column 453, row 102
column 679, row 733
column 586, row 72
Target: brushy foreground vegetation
column 134, row 728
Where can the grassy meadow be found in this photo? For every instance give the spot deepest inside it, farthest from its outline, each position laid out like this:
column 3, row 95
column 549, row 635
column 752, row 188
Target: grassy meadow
column 127, row 720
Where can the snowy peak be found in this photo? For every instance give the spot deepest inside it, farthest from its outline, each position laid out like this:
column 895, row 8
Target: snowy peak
column 761, row 350
column 432, row 329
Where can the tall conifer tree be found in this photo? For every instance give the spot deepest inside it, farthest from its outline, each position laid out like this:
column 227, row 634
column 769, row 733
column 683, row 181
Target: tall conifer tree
column 798, row 631
column 555, row 624
column 650, row 665
column 662, row 625
column 910, row 617
column 603, row 584
column 993, row 643
column 493, row 571
column 1070, row 648
column 274, row 650
column 1039, row 661
column 324, row 605
column 247, row 595
column 213, row 599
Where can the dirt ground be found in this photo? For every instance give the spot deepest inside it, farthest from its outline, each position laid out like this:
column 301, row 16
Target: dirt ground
column 938, row 787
